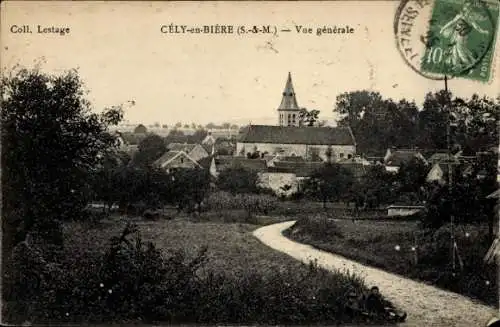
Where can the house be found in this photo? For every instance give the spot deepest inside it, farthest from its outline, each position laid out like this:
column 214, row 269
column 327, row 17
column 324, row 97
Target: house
column 293, row 174
column 394, row 158
column 403, row 210
column 194, row 151
column 172, row 160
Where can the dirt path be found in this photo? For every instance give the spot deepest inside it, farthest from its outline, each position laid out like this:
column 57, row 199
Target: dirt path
column 426, row 305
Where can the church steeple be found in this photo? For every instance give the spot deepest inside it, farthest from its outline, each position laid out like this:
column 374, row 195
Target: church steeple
column 289, row 109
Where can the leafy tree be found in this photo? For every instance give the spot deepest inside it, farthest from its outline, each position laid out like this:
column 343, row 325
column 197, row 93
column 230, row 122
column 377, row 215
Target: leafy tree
column 329, row 183
column 175, row 136
column 190, row 188
column 411, row 177
column 150, row 149
column 186, row 126
column 178, row 125
column 226, row 125
column 140, row 129
column 198, row 136
column 309, row 117
column 50, row 142
column 376, row 187
column 352, row 105
column 238, row 180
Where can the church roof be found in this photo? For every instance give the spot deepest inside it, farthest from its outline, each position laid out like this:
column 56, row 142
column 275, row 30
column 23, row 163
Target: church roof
column 289, row 101
column 298, row 135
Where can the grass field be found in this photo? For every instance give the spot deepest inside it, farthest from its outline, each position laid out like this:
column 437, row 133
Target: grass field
column 402, row 247
column 231, row 247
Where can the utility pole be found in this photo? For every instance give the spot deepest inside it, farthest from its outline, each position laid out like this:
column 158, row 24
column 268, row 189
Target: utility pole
column 450, row 176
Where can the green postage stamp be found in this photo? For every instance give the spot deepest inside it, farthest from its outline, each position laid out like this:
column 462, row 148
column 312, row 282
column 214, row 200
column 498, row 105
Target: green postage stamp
column 453, row 38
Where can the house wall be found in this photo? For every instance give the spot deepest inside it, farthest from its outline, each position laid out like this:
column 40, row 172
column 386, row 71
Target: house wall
column 435, row 174
column 275, row 181
column 198, row 153
column 302, row 150
column 400, row 211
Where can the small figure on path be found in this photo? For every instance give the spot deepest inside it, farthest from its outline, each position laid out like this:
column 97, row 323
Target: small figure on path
column 376, row 306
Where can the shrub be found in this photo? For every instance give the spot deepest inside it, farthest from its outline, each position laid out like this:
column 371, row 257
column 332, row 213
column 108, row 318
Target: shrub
column 133, row 281
column 318, row 226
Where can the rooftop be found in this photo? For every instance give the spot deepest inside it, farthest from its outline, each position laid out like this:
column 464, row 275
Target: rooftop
column 298, row 135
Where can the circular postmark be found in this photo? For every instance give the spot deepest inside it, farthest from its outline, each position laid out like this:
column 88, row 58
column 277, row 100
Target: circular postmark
column 453, row 38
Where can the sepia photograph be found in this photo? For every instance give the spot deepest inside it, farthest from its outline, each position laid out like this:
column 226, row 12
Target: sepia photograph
column 250, row 163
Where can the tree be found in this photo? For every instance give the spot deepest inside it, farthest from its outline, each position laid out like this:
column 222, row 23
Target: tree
column 175, row 136
column 191, row 187
column 140, row 129
column 186, row 126
column 352, row 105
column 210, row 126
column 178, row 125
column 309, row 118
column 198, row 136
column 238, row 180
column 50, row 142
column 411, row 177
column 329, row 183
column 376, row 187
column 226, row 125
column 150, row 149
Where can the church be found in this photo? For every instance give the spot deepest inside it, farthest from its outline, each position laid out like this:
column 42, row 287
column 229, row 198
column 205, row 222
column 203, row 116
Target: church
column 289, row 138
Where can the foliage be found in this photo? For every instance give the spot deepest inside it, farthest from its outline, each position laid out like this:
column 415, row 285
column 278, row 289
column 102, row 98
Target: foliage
column 50, row 141
column 238, row 180
column 466, row 200
column 380, row 123
column 150, row 149
column 329, row 183
column 373, row 243
column 251, row 203
column 190, row 188
column 134, row 281
column 374, row 189
column 309, row 117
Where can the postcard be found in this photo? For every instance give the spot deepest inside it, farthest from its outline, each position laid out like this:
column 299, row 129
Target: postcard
column 250, row 163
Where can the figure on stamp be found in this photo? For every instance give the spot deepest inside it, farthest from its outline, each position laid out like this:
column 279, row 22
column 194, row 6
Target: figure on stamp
column 458, row 31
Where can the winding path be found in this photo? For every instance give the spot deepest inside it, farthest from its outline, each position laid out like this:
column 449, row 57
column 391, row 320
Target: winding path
column 426, row 305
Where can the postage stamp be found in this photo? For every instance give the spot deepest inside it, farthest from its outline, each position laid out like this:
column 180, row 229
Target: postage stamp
column 448, row 37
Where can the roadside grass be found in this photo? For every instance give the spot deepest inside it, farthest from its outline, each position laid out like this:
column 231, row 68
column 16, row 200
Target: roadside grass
column 401, row 247
column 231, row 247
column 240, row 281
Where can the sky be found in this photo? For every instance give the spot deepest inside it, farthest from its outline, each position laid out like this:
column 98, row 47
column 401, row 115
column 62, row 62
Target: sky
column 121, row 55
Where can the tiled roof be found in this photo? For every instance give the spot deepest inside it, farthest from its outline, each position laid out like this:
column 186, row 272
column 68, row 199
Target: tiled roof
column 441, row 157
column 166, row 157
column 300, row 169
column 186, row 147
column 224, row 162
column 298, row 135
column 169, row 155
column 399, row 157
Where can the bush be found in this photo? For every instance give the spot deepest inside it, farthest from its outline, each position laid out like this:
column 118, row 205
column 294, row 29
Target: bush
column 133, row 281
column 317, row 226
